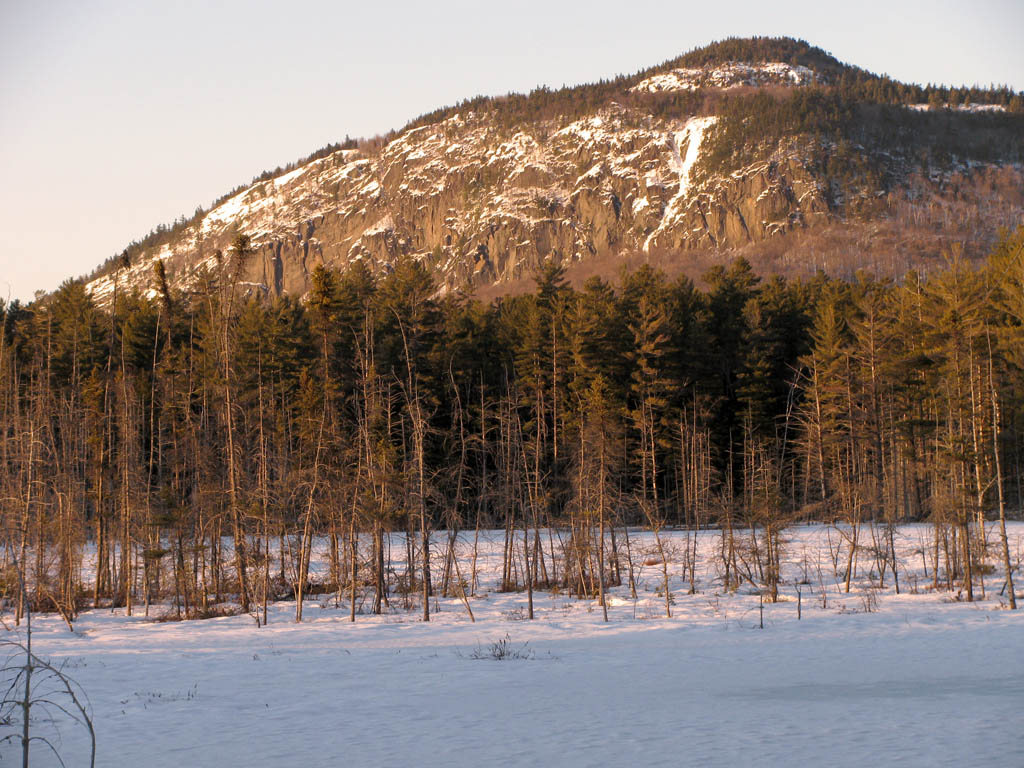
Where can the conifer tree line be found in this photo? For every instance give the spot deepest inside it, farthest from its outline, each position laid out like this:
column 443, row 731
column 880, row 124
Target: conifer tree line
column 198, row 446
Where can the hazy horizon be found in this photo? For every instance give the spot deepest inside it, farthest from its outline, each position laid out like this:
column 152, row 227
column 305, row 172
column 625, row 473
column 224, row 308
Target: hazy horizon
column 122, row 116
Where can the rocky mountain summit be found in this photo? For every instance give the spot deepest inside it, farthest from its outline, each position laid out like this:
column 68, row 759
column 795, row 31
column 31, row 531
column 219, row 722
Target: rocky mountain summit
column 704, row 153
column 729, row 75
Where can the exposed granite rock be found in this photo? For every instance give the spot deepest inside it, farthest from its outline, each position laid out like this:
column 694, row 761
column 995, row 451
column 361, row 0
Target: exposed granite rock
column 483, row 204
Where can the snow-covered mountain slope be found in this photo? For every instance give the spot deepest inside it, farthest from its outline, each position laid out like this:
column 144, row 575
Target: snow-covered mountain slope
column 483, row 196
column 487, row 204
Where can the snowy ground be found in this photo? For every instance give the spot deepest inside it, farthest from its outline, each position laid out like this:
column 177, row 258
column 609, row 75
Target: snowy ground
column 919, row 680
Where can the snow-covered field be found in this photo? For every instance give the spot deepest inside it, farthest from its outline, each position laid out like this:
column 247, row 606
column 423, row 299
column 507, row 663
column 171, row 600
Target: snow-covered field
column 869, row 677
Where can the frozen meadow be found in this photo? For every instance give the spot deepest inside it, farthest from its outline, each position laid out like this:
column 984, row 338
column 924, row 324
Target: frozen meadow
column 916, row 679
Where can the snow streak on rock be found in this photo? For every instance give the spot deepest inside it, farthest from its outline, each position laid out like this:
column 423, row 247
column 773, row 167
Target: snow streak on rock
column 691, row 137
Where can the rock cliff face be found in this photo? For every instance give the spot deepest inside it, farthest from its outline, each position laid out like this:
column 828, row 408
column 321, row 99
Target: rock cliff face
column 483, row 202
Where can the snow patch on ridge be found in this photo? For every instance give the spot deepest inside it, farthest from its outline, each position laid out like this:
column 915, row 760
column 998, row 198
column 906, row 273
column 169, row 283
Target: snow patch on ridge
column 971, row 107
column 282, row 202
column 137, row 275
column 728, row 75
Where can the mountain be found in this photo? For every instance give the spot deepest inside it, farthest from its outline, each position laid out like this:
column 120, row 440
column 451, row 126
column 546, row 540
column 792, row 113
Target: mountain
column 767, row 147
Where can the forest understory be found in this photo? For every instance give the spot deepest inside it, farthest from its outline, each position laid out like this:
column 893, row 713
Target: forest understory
column 646, row 569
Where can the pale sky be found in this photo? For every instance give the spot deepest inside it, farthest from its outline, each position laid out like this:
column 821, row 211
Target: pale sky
column 118, row 116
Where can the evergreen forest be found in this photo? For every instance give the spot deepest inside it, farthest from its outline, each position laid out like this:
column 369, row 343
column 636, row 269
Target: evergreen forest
column 190, row 448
